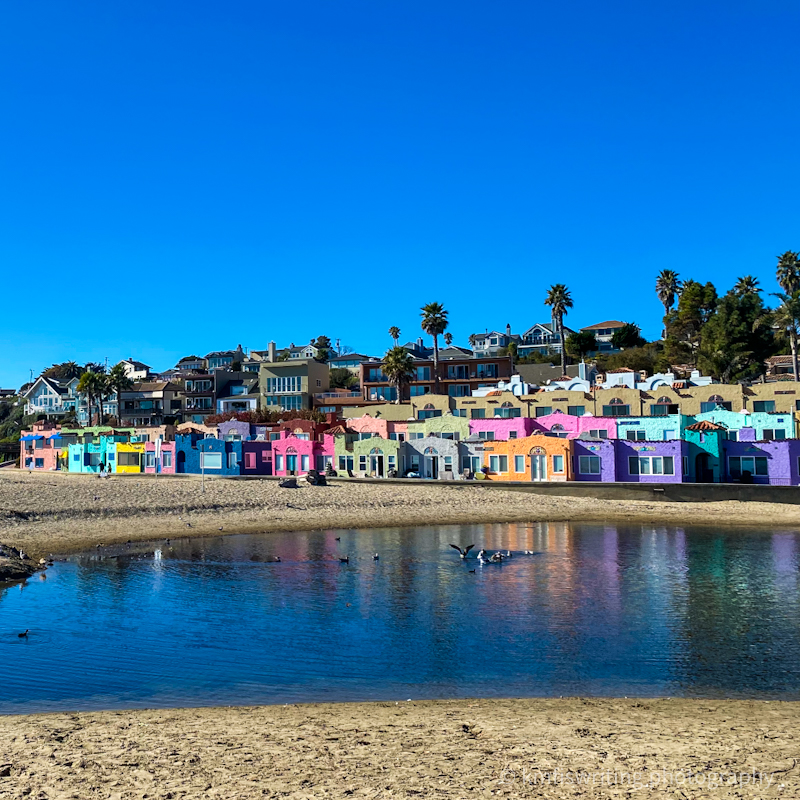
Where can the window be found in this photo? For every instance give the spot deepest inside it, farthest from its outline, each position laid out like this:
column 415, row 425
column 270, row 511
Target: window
column 457, row 371
column 635, row 435
column 232, row 461
column 733, row 436
column 460, row 412
column 598, row 433
column 388, row 393
column 559, row 431
column 477, row 413
column 543, row 411
column 576, row 411
column 428, row 412
column 755, row 465
column 663, row 409
column 166, row 458
column 38, row 463
column 417, row 391
column 487, row 435
column 773, row 433
column 764, row 405
column 512, row 434
column 362, row 463
column 126, row 459
column 507, row 411
column 304, row 463
column 685, row 465
column 713, row 402
column 558, row 463
column 422, row 374
column 292, row 402
column 519, row 463
column 498, row 463
column 616, row 408
column 345, row 463
column 416, row 435
column 149, row 459
column 669, row 434
column 210, row 460
column 651, row 465
column 589, row 465
column 279, row 462
column 459, row 390
column 487, row 371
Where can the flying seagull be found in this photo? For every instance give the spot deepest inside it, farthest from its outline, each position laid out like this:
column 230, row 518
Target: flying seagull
column 463, row 552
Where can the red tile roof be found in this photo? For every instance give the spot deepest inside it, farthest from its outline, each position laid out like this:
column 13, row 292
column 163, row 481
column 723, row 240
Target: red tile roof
column 705, row 425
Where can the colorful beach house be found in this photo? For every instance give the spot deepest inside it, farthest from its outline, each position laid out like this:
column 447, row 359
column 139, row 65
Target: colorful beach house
column 652, row 429
column 776, row 462
column 256, row 457
column 650, row 461
column 570, row 426
column 433, row 457
column 197, row 454
column 535, row 458
column 766, row 425
column 703, row 449
column 594, row 459
column 42, row 448
column 297, row 453
column 502, row 429
column 160, row 458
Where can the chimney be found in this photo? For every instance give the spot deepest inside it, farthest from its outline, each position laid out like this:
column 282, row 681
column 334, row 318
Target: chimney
column 420, row 343
column 271, row 351
column 508, row 330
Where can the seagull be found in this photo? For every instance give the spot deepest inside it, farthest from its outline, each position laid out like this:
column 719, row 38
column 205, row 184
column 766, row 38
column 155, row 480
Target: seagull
column 277, row 559
column 24, row 635
column 463, row 552
column 338, row 538
column 345, row 560
column 481, row 553
column 508, row 554
column 496, row 558
column 375, row 557
column 188, row 524
column 529, row 552
column 220, row 527
column 472, row 572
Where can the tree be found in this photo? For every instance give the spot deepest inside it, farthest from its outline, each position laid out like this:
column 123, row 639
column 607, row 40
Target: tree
column 398, row 366
column 394, row 332
column 118, row 382
column 434, row 323
column 667, row 287
column 448, row 339
column 737, row 338
column 746, row 285
column 342, row 378
column 685, row 323
column 788, row 272
column 580, row 344
column 323, row 345
column 629, row 335
column 560, row 301
column 63, row 372
column 93, row 385
column 786, row 318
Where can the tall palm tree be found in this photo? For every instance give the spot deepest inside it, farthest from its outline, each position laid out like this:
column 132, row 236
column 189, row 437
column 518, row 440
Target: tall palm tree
column 667, row 288
column 788, row 272
column 394, row 332
column 93, row 385
column 560, row 301
column 434, row 323
column 398, row 366
column 118, row 382
column 786, row 319
column 746, row 285
column 448, row 339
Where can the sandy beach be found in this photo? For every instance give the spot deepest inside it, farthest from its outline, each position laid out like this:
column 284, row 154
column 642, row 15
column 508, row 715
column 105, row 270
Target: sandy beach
column 60, row 513
column 505, row 748
column 449, row 749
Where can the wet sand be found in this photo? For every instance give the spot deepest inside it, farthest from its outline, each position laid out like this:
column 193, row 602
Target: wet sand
column 59, row 513
column 465, row 749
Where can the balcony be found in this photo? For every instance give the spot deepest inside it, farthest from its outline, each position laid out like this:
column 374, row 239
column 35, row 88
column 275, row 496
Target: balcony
column 335, row 395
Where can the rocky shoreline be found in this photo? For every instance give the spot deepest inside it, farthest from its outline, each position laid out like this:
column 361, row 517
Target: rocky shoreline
column 16, row 565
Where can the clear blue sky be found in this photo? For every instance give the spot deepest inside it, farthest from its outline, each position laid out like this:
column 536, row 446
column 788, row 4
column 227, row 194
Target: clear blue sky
column 181, row 177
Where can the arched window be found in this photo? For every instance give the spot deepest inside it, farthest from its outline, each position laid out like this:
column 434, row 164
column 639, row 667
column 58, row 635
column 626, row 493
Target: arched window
column 429, row 406
column 715, row 402
column 291, row 450
column 557, row 428
column 376, row 452
column 507, row 405
column 664, row 400
column 616, row 402
column 616, row 408
column 715, row 398
column 431, row 451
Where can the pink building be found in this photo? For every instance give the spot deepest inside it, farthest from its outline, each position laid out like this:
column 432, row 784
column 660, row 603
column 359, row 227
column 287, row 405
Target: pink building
column 502, row 429
column 568, row 427
column 378, row 427
column 40, row 448
column 293, row 455
column 165, row 464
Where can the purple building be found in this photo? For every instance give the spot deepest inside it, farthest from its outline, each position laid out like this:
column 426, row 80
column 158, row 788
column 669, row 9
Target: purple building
column 650, row 462
column 256, row 458
column 594, row 459
column 772, row 462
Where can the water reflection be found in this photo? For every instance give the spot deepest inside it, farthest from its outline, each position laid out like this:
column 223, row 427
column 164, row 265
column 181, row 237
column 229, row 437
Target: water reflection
column 595, row 609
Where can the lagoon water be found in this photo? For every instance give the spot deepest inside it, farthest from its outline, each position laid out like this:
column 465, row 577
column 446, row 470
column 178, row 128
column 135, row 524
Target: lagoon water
column 596, row 610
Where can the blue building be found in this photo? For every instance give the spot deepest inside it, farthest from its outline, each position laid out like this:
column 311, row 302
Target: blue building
column 196, row 453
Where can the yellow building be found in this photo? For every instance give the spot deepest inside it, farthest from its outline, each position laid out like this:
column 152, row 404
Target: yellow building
column 129, row 457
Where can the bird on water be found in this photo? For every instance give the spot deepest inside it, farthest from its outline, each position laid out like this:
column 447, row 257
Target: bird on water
column 345, row 560
column 24, row 635
column 463, row 553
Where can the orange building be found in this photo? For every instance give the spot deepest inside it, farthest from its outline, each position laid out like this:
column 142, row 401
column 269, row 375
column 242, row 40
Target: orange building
column 532, row 458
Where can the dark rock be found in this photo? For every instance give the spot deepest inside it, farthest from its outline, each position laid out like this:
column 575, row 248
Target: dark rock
column 13, row 567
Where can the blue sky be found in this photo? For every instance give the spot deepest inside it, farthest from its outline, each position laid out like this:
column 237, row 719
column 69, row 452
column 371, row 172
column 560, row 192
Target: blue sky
column 186, row 176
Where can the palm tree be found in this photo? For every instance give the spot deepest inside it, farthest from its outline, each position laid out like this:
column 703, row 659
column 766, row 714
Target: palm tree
column 118, row 382
column 560, row 301
column 448, row 339
column 394, row 332
column 434, row 323
column 788, row 272
column 93, row 385
column 667, row 288
column 746, row 285
column 398, row 367
column 786, row 318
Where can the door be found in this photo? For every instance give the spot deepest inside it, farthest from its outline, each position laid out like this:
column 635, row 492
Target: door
column 376, row 465
column 539, row 468
column 291, row 465
column 702, row 473
column 431, row 467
